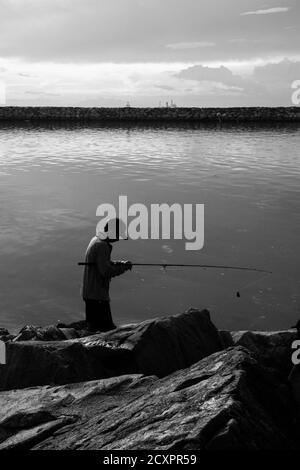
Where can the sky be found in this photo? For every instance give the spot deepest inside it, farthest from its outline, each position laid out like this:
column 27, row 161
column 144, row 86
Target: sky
column 149, row 52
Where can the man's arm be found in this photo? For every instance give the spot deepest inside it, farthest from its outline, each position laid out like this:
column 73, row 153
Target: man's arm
column 106, row 267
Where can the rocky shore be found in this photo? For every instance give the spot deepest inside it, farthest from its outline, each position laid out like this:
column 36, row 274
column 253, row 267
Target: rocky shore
column 18, row 114
column 175, row 383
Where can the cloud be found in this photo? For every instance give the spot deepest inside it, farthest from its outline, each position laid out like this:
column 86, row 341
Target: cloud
column 40, row 93
column 267, row 85
column 268, row 11
column 147, row 84
column 165, row 87
column 244, row 41
column 283, row 73
column 127, row 31
column 222, row 83
column 202, row 73
column 86, row 51
column 190, row 45
column 277, row 79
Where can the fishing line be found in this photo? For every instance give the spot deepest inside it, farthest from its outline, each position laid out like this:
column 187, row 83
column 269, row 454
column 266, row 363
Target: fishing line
column 249, row 284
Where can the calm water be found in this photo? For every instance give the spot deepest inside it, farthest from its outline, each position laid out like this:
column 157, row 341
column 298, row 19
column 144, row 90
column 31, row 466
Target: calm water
column 53, row 179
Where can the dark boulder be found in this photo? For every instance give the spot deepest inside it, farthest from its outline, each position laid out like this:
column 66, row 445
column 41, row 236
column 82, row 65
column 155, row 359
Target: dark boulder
column 80, row 328
column 156, row 347
column 272, row 348
column 31, row 363
column 5, row 335
column 163, row 345
column 4, row 332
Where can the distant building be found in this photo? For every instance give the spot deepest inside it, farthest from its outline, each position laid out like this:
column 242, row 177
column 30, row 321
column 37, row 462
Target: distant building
column 169, row 105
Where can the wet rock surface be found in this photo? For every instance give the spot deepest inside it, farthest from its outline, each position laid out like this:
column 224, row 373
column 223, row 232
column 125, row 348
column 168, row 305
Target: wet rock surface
column 174, row 383
column 29, row 416
column 35, row 333
column 225, row 401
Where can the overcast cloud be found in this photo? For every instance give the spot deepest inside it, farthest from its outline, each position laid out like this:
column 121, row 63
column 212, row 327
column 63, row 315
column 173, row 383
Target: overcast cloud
column 105, row 52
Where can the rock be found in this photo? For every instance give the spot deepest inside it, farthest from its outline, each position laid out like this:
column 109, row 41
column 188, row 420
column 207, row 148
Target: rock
column 5, row 335
column 77, row 325
column 80, row 327
column 4, row 332
column 294, row 382
column 7, row 338
column 225, row 401
column 31, row 415
column 155, row 347
column 69, row 333
column 47, row 333
column 164, row 345
column 226, row 337
column 272, row 348
column 297, row 327
column 37, row 333
column 29, row 437
column 31, row 363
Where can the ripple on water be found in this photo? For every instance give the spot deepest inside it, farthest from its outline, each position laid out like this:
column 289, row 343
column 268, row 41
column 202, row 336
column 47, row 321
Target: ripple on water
column 52, row 180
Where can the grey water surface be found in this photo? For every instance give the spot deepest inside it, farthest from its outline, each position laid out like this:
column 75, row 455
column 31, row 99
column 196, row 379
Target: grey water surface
column 52, row 179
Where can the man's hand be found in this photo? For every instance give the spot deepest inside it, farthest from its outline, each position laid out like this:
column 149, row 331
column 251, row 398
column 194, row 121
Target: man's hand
column 128, row 265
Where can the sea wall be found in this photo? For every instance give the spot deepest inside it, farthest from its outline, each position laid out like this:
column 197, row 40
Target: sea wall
column 48, row 114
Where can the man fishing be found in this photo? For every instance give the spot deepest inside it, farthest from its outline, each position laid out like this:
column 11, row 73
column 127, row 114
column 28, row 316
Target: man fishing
column 98, row 271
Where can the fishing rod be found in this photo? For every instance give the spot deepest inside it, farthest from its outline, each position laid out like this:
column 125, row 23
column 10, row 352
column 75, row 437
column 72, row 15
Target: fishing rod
column 203, row 266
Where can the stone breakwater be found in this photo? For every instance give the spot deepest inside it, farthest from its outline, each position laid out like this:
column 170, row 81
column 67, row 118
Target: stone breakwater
column 168, row 384
column 76, row 114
